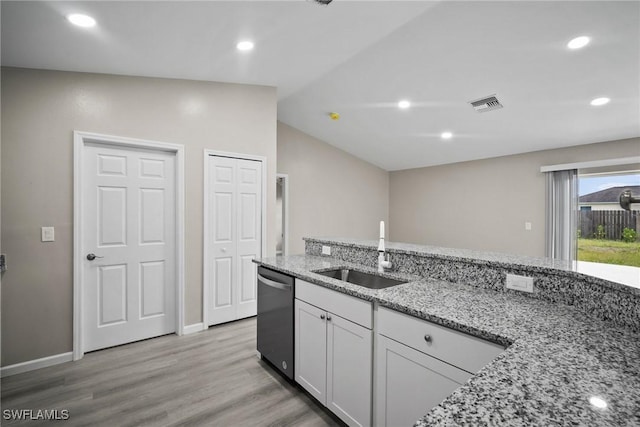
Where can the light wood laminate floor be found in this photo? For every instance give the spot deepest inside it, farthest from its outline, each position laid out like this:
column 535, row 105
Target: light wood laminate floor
column 212, row 378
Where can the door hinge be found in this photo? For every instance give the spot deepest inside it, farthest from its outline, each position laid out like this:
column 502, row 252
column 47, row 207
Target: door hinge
column 3, row 263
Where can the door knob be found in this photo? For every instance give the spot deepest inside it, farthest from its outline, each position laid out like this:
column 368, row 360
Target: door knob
column 224, row 249
column 91, row 257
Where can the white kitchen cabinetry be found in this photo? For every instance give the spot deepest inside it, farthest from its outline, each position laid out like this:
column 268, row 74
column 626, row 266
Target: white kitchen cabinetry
column 333, row 357
column 409, row 383
column 311, row 349
column 419, row 363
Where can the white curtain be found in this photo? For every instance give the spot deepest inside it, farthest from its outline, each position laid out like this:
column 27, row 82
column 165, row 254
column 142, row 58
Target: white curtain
column 562, row 214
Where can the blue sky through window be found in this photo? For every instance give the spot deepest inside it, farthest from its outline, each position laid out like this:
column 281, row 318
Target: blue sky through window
column 591, row 184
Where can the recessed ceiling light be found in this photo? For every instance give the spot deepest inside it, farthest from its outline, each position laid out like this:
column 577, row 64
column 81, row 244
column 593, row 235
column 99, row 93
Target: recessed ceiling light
column 578, row 42
column 404, row 104
column 600, row 101
column 446, row 135
column 245, row 45
column 598, row 402
column 81, row 20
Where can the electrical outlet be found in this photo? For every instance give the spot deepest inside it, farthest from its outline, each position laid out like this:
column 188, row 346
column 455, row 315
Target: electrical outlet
column 47, row 234
column 527, row 226
column 326, row 250
column 520, row 283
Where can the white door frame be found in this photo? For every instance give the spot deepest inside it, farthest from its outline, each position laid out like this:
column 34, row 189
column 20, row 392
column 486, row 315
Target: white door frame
column 205, row 221
column 285, row 208
column 80, row 139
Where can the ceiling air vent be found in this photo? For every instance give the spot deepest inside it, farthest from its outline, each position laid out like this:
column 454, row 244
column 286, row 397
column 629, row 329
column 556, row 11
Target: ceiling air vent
column 485, row 104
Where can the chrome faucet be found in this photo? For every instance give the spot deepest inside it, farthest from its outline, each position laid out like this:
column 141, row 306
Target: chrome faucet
column 383, row 262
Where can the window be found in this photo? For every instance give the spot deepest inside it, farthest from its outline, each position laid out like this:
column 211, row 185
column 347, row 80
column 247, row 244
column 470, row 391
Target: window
column 608, row 244
column 585, row 224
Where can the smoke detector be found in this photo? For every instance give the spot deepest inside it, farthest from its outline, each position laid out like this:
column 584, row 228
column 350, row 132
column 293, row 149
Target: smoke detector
column 486, row 103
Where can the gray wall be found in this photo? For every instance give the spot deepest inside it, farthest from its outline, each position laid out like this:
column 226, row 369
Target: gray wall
column 40, row 111
column 484, row 204
column 331, row 192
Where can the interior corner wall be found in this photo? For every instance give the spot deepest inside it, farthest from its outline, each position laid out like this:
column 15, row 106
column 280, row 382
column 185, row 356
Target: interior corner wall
column 331, row 192
column 40, row 111
column 484, row 204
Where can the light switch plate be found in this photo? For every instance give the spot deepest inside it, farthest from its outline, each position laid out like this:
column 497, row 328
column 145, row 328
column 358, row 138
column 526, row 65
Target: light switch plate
column 527, row 226
column 520, row 283
column 48, row 234
column 326, row 250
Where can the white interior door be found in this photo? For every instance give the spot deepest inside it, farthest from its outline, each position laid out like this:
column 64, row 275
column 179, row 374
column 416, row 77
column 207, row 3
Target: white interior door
column 235, row 237
column 129, row 215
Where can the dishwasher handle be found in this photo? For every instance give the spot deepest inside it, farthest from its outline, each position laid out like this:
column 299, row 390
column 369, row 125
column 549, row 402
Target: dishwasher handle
column 273, row 283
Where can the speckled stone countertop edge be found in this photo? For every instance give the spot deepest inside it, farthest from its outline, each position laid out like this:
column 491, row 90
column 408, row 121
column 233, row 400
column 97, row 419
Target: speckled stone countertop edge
column 448, row 323
column 376, row 295
column 557, row 270
column 326, row 282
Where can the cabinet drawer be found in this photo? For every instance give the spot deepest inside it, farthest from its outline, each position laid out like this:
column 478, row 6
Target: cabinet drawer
column 461, row 350
column 351, row 308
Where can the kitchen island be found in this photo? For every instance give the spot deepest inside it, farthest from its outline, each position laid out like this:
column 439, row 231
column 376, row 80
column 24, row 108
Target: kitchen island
column 559, row 360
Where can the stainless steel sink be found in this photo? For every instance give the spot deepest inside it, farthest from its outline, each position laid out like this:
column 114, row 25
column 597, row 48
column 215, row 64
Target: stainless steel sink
column 367, row 280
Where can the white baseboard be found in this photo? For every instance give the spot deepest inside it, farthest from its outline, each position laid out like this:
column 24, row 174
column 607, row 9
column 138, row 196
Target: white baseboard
column 56, row 359
column 32, row 365
column 192, row 329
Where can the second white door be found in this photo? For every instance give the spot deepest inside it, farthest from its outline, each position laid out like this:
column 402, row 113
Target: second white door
column 235, row 237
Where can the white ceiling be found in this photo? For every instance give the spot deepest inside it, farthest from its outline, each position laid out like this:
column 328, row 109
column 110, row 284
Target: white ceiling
column 359, row 58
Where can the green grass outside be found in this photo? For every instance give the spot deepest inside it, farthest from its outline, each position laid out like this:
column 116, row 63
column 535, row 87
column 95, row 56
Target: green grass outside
column 609, row 252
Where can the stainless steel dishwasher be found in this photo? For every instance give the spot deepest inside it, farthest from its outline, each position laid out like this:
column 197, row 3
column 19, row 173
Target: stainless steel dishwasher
column 275, row 319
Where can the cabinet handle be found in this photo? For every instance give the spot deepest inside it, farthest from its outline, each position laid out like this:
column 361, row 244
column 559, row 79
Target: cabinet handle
column 328, row 317
column 322, row 316
column 427, row 338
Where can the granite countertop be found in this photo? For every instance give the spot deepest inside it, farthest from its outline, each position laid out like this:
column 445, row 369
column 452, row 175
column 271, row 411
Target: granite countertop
column 495, row 259
column 479, row 257
column 557, row 357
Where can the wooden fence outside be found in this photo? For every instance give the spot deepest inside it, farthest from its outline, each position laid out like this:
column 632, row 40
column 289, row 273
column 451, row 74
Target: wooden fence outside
column 612, row 221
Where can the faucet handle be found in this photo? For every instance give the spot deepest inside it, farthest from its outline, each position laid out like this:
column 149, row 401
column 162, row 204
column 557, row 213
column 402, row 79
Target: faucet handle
column 383, row 262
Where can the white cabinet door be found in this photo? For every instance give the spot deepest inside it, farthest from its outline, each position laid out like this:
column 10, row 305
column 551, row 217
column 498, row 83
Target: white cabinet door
column 349, row 372
column 235, row 237
column 410, row 383
column 311, row 349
